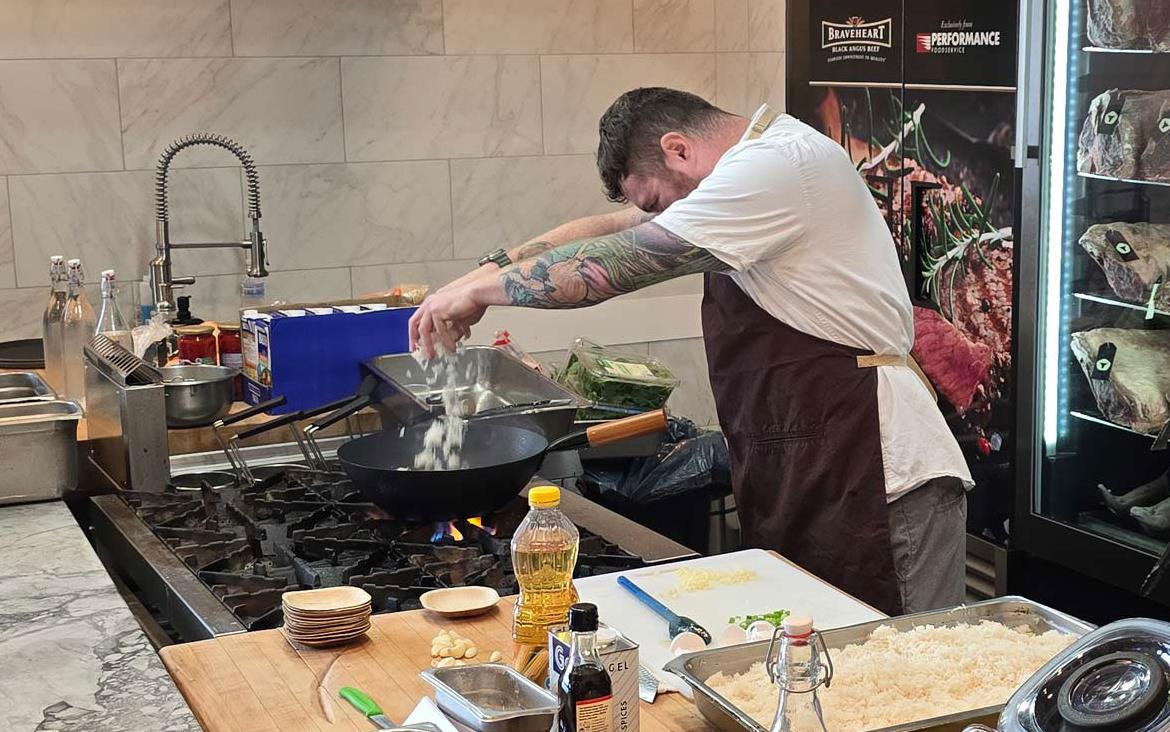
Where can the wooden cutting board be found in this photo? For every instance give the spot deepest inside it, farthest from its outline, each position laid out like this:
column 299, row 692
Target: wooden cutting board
column 257, row 682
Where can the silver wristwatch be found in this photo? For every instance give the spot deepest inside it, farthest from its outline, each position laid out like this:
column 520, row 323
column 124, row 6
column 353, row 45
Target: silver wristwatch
column 499, row 257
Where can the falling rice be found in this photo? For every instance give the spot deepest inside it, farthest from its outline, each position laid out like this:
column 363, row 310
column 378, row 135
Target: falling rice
column 443, row 440
column 899, row 677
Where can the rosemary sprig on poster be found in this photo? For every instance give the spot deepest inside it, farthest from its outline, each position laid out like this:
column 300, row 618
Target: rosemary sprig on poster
column 962, row 227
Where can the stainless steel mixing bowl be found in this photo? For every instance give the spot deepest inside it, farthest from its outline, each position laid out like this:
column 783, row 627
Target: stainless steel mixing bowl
column 197, row 395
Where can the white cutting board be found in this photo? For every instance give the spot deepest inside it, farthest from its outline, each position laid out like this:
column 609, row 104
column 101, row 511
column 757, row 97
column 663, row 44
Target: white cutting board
column 779, row 585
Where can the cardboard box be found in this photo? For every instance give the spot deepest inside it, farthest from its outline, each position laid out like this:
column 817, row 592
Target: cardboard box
column 621, row 661
column 311, row 353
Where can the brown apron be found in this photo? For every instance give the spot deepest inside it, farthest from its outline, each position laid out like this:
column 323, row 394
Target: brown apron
column 800, row 415
column 801, row 421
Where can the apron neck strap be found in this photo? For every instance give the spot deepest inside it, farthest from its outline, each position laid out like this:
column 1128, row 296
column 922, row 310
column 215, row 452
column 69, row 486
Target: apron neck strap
column 763, row 117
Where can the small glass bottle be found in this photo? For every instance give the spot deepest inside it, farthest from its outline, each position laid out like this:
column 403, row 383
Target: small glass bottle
column 586, row 691
column 110, row 322
column 231, row 353
column 801, row 667
column 252, row 293
column 77, row 328
column 51, row 323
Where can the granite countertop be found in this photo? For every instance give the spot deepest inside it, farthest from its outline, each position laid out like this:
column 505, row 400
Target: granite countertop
column 71, row 654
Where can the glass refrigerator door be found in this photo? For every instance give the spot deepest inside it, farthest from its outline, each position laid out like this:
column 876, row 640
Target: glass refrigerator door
column 1104, row 315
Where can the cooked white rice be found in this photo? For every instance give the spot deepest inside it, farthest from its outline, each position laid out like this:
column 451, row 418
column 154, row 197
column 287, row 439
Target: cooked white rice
column 898, row 677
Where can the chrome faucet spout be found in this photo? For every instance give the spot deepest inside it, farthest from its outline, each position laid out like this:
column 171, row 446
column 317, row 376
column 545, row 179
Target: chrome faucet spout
column 162, row 279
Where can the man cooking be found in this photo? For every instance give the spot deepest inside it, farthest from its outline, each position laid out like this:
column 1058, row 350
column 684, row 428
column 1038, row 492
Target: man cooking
column 841, row 460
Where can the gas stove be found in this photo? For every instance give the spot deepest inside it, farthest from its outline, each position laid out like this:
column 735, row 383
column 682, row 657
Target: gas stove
column 216, row 560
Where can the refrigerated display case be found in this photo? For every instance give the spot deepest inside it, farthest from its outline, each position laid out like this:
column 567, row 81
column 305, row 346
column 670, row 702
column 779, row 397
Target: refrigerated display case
column 1094, row 157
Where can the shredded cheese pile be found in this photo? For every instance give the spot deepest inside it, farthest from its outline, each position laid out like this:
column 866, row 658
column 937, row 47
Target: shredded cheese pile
column 695, row 580
column 899, row 677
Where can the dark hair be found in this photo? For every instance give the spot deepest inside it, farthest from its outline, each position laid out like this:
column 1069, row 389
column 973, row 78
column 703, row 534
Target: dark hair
column 631, row 128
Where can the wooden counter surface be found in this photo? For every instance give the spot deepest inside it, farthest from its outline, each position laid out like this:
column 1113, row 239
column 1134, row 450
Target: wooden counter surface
column 257, row 682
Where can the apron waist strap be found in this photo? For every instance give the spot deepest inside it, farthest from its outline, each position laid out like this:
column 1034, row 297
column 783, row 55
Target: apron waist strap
column 869, row 362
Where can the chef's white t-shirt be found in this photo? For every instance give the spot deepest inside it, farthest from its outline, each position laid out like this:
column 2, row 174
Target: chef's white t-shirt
column 797, row 224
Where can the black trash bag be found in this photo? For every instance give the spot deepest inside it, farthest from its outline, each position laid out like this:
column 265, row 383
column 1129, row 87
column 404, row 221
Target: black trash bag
column 689, row 460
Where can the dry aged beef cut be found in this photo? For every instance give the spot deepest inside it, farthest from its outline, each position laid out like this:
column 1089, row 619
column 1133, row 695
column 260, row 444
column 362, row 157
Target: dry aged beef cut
column 1155, row 162
column 1133, row 256
column 1127, row 372
column 955, row 364
column 1124, row 136
column 1129, row 24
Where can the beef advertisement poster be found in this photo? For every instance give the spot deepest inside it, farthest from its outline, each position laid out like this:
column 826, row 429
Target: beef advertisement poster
column 918, row 42
column 929, row 122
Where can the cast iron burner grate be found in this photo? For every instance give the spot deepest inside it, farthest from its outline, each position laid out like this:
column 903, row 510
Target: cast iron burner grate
column 297, row 530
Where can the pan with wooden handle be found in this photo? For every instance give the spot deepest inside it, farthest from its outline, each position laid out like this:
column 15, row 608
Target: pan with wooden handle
column 495, row 463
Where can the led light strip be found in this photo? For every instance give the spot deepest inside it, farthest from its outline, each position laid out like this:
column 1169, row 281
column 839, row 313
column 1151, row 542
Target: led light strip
column 1056, row 206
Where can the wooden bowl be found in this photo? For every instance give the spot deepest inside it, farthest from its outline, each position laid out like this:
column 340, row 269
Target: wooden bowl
column 460, row 602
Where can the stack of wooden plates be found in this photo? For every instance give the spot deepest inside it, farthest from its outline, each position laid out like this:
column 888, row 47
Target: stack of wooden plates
column 326, row 616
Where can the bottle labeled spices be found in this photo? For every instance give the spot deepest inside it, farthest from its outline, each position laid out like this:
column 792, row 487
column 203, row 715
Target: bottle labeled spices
column 197, row 344
column 231, row 354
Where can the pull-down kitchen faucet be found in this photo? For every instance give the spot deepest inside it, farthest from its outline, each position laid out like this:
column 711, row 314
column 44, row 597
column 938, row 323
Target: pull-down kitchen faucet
column 162, row 282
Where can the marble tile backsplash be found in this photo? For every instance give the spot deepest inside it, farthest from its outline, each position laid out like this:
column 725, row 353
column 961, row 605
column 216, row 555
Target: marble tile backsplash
column 538, row 26
column 7, row 257
column 59, row 115
column 397, row 140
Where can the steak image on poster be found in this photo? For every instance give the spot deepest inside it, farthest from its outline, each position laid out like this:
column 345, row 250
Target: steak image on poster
column 944, row 196
column 1127, row 374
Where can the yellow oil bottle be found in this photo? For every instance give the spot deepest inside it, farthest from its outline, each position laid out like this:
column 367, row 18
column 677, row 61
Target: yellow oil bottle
column 544, row 553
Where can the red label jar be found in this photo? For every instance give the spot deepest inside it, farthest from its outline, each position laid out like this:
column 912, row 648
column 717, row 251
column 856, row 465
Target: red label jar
column 231, row 354
column 197, row 344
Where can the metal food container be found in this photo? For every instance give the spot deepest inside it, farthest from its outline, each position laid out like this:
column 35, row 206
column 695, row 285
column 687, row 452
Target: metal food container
column 492, row 697
column 490, row 384
column 24, row 386
column 38, row 450
column 197, row 394
column 696, row 668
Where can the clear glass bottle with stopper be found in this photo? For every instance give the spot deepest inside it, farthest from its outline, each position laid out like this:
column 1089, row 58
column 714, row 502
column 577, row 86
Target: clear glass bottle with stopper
column 51, row 323
column 77, row 328
column 110, row 322
column 801, row 667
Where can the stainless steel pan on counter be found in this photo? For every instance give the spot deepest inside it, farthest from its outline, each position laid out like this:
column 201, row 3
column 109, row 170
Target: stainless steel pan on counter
column 696, row 668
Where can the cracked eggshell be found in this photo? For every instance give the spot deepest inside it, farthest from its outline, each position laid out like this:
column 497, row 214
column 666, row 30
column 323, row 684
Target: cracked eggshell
column 686, row 643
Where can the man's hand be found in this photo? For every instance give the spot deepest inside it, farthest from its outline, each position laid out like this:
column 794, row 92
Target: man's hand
column 445, row 318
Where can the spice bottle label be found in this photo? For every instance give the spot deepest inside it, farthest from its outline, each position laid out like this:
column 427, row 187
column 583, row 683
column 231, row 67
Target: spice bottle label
column 595, row 715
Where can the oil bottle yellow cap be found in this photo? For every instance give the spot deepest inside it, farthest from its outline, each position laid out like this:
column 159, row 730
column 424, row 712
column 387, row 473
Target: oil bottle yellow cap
column 544, row 496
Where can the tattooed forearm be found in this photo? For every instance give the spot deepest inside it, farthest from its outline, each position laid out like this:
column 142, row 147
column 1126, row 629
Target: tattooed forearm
column 593, row 270
column 530, row 249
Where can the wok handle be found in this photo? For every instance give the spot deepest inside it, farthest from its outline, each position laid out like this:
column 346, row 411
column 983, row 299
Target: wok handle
column 627, row 428
column 351, row 407
column 252, row 411
column 271, row 425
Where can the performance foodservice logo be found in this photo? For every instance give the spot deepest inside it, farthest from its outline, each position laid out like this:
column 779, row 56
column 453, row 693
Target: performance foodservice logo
column 955, row 37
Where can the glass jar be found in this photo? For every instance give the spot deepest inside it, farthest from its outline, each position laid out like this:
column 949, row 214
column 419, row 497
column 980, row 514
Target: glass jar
column 231, row 354
column 197, row 344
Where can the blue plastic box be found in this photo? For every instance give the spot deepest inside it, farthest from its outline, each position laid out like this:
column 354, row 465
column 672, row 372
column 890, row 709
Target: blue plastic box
column 313, row 355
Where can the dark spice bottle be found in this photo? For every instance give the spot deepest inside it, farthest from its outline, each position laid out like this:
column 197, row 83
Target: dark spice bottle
column 586, row 691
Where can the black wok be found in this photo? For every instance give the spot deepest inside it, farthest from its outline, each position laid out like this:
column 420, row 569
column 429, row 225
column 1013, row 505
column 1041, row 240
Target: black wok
column 499, row 461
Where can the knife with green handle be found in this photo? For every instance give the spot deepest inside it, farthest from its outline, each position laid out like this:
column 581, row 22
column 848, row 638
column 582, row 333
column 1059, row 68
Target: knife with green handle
column 367, row 706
